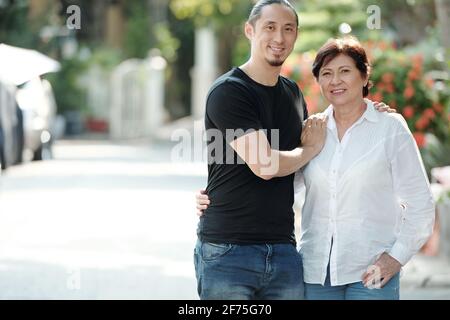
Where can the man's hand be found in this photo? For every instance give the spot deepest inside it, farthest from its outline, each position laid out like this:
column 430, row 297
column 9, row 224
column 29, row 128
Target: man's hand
column 382, row 107
column 378, row 274
column 314, row 132
column 202, row 201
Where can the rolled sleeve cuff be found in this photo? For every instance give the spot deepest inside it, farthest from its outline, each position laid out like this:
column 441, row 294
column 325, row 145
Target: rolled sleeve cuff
column 400, row 253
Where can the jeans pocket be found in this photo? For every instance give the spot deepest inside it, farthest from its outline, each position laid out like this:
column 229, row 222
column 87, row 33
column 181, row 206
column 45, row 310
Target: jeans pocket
column 212, row 251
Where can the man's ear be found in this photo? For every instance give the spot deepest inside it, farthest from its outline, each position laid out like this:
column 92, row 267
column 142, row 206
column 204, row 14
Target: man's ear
column 249, row 30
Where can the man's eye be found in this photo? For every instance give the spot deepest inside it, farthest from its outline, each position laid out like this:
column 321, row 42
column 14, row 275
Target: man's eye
column 269, row 28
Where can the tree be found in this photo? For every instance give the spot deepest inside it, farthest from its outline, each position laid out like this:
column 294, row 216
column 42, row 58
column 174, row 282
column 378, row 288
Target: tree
column 225, row 16
column 443, row 14
column 320, row 20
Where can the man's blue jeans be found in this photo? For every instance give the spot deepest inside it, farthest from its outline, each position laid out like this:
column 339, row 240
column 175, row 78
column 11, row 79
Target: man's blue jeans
column 353, row 291
column 248, row 272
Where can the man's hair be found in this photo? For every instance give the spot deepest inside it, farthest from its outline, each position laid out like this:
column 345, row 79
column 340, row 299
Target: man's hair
column 255, row 14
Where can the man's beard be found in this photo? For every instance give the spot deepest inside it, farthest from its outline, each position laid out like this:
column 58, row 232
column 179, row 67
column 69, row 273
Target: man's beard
column 275, row 63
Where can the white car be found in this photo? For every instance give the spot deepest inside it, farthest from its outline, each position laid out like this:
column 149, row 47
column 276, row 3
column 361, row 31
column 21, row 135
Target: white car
column 37, row 102
column 11, row 130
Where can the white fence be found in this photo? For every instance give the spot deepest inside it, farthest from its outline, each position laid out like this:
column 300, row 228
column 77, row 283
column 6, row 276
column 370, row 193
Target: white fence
column 130, row 98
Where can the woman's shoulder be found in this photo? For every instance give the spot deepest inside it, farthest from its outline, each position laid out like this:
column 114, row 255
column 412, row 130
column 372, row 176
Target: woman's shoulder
column 394, row 121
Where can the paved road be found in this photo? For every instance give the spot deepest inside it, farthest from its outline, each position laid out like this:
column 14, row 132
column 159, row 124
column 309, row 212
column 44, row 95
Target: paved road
column 100, row 221
column 105, row 221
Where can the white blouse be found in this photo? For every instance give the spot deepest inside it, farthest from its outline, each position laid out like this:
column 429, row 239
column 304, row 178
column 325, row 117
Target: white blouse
column 366, row 195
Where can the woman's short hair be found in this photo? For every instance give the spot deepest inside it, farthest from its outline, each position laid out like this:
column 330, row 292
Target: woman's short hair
column 350, row 47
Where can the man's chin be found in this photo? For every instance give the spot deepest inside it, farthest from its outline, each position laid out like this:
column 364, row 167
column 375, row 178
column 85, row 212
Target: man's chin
column 275, row 63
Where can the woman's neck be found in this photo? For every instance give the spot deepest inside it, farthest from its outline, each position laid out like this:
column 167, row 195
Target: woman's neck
column 346, row 115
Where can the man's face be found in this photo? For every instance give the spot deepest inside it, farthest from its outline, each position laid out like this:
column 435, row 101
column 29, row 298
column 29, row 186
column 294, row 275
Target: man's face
column 273, row 35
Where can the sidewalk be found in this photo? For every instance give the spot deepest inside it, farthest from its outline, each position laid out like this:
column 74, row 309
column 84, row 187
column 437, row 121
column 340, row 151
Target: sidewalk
column 426, row 272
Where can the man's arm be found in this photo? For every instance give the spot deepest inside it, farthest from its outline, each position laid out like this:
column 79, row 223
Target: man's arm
column 268, row 163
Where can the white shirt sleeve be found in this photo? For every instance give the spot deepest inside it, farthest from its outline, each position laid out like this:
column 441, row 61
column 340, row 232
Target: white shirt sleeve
column 299, row 181
column 412, row 188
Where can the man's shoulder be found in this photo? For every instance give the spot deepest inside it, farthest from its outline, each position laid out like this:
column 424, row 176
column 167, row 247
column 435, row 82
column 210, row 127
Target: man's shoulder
column 229, row 79
column 291, row 85
column 230, row 82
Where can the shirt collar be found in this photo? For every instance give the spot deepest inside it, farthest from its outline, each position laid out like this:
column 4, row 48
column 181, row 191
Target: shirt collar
column 370, row 115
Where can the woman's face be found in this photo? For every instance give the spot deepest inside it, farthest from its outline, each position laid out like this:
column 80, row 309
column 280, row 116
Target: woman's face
column 341, row 82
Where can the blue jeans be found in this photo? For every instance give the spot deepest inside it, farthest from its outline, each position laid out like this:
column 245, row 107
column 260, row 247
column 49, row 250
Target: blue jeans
column 248, row 272
column 353, row 291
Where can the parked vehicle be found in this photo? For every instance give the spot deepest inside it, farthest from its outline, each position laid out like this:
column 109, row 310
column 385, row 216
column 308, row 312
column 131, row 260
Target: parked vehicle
column 11, row 127
column 27, row 105
column 37, row 103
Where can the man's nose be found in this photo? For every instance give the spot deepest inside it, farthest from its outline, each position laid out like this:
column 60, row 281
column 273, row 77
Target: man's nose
column 279, row 36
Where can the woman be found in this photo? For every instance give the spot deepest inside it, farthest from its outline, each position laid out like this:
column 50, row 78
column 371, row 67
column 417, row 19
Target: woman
column 368, row 207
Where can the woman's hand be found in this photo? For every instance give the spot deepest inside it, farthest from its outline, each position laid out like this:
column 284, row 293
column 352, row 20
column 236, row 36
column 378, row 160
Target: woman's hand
column 382, row 107
column 202, row 201
column 378, row 274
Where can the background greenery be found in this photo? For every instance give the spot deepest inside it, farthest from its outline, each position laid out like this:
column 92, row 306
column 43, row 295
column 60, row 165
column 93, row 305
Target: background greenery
column 409, row 53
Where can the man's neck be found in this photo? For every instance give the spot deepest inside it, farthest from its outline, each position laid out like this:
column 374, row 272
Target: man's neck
column 264, row 74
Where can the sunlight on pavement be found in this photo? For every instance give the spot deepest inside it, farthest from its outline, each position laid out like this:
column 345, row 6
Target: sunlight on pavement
column 93, row 213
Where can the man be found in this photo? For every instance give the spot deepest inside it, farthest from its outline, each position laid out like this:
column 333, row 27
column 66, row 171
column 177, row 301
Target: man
column 246, row 246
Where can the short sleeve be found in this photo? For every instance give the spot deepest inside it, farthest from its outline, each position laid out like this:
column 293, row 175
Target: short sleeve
column 231, row 108
column 302, row 107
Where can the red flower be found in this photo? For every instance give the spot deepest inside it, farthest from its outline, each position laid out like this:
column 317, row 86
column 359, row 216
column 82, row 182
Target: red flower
column 390, row 88
column 429, row 113
column 286, row 70
column 408, row 112
column 420, row 139
column 438, row 107
column 388, row 77
column 377, row 97
column 409, row 92
column 392, row 104
column 413, row 74
column 312, row 104
column 422, row 123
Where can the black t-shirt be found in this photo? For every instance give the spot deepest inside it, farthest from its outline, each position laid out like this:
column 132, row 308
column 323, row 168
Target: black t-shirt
column 246, row 209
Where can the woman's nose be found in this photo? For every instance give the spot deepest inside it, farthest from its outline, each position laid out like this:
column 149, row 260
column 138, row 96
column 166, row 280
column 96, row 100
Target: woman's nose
column 335, row 79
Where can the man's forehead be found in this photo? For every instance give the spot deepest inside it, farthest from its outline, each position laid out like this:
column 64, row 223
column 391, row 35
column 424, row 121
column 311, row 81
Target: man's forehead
column 276, row 13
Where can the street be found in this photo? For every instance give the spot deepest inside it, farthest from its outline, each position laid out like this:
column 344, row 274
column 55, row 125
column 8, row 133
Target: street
column 105, row 221
column 100, row 221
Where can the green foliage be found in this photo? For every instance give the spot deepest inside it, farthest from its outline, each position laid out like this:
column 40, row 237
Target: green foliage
column 166, row 41
column 68, row 93
column 137, row 38
column 105, row 57
column 15, row 28
column 402, row 82
column 320, row 20
column 219, row 13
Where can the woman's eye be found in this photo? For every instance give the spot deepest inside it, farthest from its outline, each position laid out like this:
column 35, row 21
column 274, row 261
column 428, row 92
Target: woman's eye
column 345, row 70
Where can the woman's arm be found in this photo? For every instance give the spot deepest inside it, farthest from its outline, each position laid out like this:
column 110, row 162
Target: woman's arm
column 412, row 188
